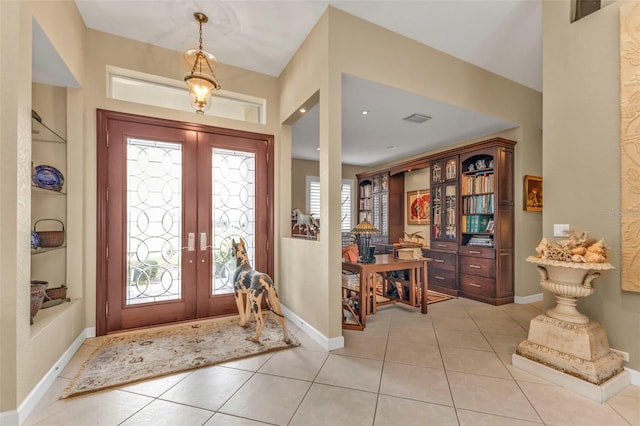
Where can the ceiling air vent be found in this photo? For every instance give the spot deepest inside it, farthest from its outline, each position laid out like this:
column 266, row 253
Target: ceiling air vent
column 417, row 118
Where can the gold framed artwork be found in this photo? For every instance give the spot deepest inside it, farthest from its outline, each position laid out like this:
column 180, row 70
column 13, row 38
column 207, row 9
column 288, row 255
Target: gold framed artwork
column 418, row 207
column 532, row 193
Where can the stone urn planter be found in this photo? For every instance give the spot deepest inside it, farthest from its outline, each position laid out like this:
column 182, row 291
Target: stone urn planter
column 568, row 281
column 566, row 340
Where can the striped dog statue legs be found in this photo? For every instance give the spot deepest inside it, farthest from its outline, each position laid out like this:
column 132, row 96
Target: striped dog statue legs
column 255, row 285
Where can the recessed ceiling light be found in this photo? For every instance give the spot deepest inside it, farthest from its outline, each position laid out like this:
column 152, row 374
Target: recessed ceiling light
column 302, row 110
column 390, row 147
column 318, row 149
column 365, row 111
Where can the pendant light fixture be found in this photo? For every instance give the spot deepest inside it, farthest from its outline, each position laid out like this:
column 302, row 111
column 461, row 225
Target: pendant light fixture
column 201, row 81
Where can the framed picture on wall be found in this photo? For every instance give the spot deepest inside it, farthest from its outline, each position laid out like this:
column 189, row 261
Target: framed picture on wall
column 418, row 207
column 532, row 193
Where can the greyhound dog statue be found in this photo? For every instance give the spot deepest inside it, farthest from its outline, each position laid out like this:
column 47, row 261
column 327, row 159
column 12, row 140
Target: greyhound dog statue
column 254, row 284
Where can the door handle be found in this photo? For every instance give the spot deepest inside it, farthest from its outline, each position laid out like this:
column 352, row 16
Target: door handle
column 191, row 242
column 203, row 241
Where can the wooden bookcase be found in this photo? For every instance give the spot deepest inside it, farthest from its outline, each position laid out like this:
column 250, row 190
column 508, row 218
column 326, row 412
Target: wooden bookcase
column 487, row 223
column 472, row 217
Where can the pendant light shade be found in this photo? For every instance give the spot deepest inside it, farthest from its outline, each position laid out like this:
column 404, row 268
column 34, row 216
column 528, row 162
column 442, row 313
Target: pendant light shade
column 202, row 80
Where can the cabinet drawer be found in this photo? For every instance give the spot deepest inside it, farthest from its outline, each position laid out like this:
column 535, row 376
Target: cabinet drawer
column 444, row 245
column 485, row 252
column 477, row 285
column 478, row 266
column 442, row 278
column 442, row 261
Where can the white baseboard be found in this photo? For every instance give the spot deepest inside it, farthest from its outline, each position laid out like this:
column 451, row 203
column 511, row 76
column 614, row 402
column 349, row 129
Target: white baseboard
column 9, row 418
column 635, row 376
column 523, row 300
column 321, row 339
column 36, row 394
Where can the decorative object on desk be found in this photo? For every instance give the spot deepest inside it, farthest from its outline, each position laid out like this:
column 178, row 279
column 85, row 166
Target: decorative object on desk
column 47, row 177
column 532, row 193
column 255, row 285
column 38, row 289
column 418, row 204
column 144, row 354
column 412, row 238
column 350, row 253
column 49, row 238
column 364, row 230
column 308, row 222
column 35, row 240
column 409, row 253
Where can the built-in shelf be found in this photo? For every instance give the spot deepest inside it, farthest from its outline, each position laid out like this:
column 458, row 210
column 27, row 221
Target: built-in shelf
column 41, row 250
column 41, row 133
column 36, row 190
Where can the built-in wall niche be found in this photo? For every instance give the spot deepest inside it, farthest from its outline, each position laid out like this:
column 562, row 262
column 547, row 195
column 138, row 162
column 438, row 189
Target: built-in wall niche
column 305, row 170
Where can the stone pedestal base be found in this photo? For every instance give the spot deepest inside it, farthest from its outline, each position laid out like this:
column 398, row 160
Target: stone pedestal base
column 580, row 350
column 599, row 393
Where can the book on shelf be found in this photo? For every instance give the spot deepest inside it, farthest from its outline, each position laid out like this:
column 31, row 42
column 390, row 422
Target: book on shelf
column 481, row 241
column 477, row 223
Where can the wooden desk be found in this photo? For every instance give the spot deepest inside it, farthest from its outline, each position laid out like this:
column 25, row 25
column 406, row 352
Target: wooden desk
column 386, row 263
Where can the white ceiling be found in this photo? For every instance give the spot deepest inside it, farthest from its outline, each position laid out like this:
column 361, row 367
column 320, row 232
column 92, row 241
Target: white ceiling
column 502, row 36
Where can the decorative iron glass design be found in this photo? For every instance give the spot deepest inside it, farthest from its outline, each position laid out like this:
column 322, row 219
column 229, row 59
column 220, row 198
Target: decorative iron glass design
column 233, row 212
column 154, row 221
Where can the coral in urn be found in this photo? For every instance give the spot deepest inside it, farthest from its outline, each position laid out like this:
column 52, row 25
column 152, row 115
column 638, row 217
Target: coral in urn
column 568, row 269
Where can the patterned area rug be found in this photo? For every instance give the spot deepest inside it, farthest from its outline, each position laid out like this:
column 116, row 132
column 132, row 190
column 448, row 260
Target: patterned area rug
column 138, row 355
column 435, row 297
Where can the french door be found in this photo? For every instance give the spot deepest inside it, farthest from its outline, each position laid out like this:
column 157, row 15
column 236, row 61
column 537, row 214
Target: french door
column 171, row 197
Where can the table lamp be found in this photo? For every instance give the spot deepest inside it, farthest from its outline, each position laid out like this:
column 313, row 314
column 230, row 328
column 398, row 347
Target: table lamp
column 364, row 230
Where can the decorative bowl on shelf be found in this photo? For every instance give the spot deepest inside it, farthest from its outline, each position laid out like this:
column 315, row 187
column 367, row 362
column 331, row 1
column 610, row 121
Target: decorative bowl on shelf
column 38, row 289
column 47, row 177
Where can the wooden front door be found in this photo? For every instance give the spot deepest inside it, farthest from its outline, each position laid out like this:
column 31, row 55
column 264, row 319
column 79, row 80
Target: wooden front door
column 171, row 197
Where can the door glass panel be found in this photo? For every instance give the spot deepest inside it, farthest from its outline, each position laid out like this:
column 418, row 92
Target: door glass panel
column 233, row 210
column 154, row 221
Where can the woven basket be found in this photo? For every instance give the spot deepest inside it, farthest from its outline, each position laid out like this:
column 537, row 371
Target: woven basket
column 57, row 293
column 50, row 238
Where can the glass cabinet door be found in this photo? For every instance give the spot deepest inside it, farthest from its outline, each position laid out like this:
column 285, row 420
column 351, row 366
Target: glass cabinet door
column 450, row 212
column 436, row 209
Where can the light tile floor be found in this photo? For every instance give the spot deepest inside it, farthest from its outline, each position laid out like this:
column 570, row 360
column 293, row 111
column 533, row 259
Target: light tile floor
column 450, row 367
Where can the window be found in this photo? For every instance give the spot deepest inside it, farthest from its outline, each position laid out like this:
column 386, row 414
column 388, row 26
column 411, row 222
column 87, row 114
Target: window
column 134, row 86
column 346, row 195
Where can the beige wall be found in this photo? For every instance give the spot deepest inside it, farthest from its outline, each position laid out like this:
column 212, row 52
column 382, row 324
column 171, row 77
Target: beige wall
column 581, row 152
column 304, row 275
